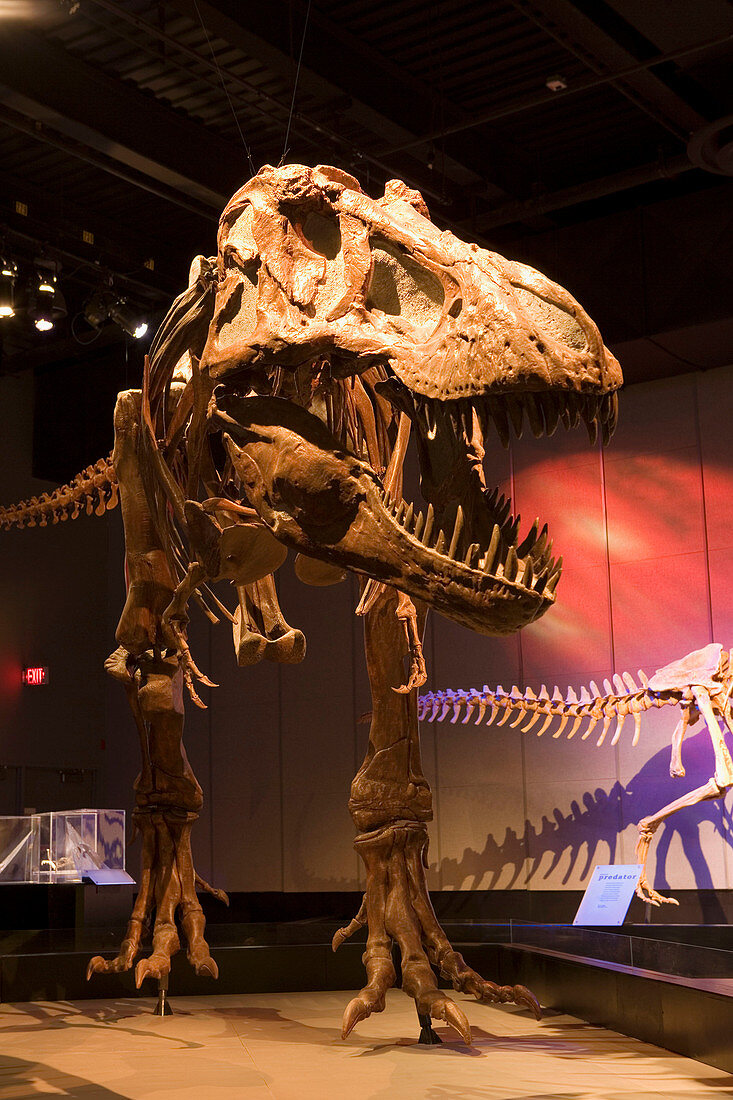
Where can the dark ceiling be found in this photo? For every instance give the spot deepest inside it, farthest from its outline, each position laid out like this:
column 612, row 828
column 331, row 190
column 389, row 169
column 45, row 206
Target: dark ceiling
column 125, row 125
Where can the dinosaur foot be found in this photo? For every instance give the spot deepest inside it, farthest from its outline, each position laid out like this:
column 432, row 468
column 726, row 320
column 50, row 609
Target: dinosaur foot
column 168, row 886
column 647, row 894
column 398, row 909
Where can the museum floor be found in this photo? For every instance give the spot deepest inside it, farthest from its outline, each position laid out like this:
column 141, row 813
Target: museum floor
column 287, row 1047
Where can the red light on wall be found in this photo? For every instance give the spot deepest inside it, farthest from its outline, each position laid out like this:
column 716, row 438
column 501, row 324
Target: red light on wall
column 35, row 676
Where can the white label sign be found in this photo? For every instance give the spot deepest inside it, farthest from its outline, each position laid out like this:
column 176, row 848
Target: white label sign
column 608, row 894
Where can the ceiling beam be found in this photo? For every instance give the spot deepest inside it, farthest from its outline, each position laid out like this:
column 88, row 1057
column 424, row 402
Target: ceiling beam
column 42, row 82
column 528, row 209
column 380, row 96
column 586, row 39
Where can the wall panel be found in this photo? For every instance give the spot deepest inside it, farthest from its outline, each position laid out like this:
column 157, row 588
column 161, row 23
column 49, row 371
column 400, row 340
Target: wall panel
column 646, row 533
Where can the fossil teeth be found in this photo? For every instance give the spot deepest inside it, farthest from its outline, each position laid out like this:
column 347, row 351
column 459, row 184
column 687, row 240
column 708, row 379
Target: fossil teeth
column 592, row 428
column 457, row 529
column 527, row 574
column 606, row 433
column 564, row 411
column 510, row 534
column 574, row 405
column 471, row 553
column 511, row 564
column 533, row 409
column 498, row 413
column 551, row 413
column 613, row 419
column 401, row 508
column 552, row 583
column 541, row 581
column 419, row 524
column 440, row 542
column 539, row 546
column 516, row 414
column 428, row 525
column 407, row 521
column 491, row 554
column 529, row 541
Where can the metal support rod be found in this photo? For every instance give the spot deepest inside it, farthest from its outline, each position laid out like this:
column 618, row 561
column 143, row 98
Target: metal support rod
column 428, row 1037
column 163, row 1007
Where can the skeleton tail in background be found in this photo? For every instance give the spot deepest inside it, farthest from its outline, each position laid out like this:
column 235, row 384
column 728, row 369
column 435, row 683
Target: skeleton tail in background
column 92, row 491
column 616, row 702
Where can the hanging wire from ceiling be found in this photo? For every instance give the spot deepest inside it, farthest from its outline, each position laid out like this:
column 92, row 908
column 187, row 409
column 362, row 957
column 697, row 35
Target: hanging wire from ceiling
column 286, row 149
column 225, row 89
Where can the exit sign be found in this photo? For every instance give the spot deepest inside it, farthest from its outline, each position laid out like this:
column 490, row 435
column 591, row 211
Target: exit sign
column 35, row 676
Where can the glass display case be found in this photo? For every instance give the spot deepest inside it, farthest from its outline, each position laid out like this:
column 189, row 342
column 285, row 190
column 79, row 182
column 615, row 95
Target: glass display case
column 61, row 846
column 17, row 848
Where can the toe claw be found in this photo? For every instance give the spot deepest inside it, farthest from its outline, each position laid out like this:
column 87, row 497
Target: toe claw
column 357, row 1009
column 524, row 996
column 151, row 968
column 452, row 1014
column 207, row 968
column 97, row 965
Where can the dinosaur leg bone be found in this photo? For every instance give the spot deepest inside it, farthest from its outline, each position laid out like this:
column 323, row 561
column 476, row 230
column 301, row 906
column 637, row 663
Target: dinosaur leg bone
column 390, row 804
column 649, row 825
column 168, row 800
column 723, row 762
column 167, row 796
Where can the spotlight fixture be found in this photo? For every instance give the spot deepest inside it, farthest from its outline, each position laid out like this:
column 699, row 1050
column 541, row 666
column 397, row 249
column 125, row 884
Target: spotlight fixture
column 8, row 275
column 131, row 322
column 46, row 303
column 105, row 305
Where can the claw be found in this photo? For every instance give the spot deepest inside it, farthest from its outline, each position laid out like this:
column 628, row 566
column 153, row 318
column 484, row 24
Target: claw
column 151, row 968
column 651, row 897
column 207, row 968
column 357, row 1009
column 97, row 965
column 449, row 1011
column 524, row 996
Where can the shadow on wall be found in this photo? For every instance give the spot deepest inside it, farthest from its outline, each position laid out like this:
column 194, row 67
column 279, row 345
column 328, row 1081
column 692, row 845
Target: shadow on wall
column 596, row 819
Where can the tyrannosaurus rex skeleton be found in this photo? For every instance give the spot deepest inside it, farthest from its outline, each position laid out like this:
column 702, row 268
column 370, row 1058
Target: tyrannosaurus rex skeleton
column 275, row 412
column 700, row 684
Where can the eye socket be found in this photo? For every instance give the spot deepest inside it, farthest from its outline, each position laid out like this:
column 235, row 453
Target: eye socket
column 400, row 287
column 550, row 318
column 323, row 235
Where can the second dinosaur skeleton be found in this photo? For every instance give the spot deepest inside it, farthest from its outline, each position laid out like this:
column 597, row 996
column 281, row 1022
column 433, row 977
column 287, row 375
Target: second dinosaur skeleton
column 700, row 684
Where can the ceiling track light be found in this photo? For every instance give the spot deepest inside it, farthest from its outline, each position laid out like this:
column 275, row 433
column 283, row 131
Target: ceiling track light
column 8, row 275
column 105, row 305
column 46, row 303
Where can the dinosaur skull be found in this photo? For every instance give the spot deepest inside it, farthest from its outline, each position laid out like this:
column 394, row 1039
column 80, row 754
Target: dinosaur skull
column 312, row 269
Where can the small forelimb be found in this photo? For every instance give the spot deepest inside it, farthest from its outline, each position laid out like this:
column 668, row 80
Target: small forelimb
column 175, row 618
column 407, row 615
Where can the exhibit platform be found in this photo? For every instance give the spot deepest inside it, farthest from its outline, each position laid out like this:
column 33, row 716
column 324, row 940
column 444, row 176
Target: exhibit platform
column 288, row 1047
column 650, row 982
